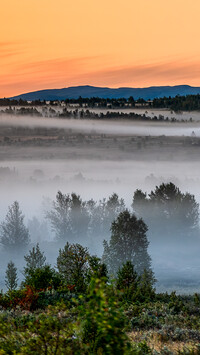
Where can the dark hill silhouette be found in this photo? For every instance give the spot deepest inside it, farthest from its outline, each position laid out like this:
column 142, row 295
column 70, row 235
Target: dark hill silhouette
column 103, row 92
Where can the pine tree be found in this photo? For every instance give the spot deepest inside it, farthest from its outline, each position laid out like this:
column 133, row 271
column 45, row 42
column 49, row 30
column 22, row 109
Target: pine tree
column 34, row 259
column 11, row 276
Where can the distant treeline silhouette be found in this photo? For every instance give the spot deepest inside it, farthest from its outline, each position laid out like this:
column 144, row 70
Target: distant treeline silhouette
column 177, row 103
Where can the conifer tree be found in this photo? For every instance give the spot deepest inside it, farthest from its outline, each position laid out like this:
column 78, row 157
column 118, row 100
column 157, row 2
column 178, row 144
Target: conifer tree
column 34, row 259
column 14, row 235
column 11, row 276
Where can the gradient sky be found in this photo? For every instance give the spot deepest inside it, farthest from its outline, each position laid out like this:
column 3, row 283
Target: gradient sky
column 136, row 43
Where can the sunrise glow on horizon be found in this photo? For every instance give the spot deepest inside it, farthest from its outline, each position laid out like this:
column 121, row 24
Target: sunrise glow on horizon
column 134, row 43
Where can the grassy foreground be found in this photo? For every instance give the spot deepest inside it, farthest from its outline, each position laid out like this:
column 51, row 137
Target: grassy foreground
column 102, row 320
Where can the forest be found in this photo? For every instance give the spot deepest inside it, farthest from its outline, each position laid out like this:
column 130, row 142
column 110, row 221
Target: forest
column 86, row 304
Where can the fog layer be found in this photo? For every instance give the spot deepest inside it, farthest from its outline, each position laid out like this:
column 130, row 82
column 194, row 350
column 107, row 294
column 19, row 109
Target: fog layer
column 104, row 127
column 39, row 156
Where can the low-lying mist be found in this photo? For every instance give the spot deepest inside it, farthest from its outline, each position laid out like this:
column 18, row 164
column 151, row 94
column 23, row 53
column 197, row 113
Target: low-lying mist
column 104, row 126
column 94, row 159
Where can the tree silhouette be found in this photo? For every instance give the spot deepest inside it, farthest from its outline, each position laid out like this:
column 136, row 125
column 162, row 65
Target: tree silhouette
column 169, row 213
column 14, row 235
column 128, row 243
column 69, row 217
column 59, row 216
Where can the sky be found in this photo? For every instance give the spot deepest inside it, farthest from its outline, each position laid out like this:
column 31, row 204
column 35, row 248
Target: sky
column 133, row 43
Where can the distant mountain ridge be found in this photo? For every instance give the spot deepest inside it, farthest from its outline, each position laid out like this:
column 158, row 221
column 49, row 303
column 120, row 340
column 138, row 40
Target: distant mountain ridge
column 74, row 92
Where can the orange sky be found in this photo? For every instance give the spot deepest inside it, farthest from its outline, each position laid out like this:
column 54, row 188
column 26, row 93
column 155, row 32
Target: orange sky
column 54, row 44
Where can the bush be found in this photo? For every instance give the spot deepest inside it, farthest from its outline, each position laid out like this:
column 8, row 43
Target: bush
column 102, row 323
column 43, row 278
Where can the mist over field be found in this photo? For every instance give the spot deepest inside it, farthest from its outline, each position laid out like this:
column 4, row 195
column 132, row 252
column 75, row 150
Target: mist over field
column 103, row 127
column 94, row 159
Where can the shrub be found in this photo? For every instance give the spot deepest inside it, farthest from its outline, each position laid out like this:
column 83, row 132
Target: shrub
column 102, row 323
column 43, row 278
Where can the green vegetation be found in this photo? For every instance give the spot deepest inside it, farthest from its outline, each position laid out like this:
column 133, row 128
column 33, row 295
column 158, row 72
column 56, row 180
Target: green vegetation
column 79, row 310
column 73, row 266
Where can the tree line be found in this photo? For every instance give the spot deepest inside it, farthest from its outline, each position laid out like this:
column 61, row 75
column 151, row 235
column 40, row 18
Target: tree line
column 84, row 114
column 169, row 215
column 74, row 270
column 165, row 216
column 177, row 103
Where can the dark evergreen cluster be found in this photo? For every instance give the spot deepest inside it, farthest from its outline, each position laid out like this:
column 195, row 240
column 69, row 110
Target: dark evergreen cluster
column 20, row 102
column 178, row 103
